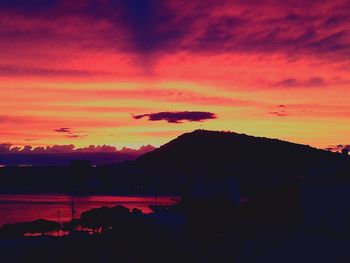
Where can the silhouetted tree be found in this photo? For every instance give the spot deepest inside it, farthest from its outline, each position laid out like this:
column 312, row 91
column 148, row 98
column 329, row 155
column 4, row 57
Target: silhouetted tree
column 39, row 226
column 99, row 219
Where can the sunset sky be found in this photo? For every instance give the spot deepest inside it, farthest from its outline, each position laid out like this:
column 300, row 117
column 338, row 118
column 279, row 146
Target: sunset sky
column 136, row 72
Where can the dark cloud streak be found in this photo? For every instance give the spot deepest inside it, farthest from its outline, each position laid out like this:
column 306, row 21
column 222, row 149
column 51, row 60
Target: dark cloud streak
column 9, row 70
column 292, row 82
column 64, row 130
column 68, row 133
column 178, row 117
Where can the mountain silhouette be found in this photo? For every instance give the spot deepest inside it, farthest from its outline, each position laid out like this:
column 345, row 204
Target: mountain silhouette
column 193, row 159
column 217, row 155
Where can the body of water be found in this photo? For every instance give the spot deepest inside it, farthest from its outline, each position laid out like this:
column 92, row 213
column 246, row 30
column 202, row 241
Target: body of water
column 21, row 208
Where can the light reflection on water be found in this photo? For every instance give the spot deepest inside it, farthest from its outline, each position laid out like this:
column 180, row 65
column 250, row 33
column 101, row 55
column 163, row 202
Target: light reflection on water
column 22, row 208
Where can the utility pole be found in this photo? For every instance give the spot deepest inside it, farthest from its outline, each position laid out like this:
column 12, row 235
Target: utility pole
column 72, row 211
column 59, row 222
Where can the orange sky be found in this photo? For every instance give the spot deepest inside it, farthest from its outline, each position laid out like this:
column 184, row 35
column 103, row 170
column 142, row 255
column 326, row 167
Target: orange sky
column 275, row 69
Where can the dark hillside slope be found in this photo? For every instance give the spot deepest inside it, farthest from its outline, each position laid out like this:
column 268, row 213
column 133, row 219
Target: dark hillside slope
column 221, row 154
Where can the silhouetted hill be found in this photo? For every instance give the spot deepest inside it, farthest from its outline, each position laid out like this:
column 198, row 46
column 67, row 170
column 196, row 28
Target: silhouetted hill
column 217, row 154
column 192, row 159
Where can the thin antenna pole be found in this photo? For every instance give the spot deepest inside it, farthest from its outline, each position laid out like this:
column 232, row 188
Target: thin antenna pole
column 59, row 222
column 72, row 212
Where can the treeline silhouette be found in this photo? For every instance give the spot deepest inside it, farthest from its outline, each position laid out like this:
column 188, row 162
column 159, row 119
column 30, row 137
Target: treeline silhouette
column 39, row 226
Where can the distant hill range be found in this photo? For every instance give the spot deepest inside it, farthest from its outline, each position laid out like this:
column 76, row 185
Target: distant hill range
column 48, row 158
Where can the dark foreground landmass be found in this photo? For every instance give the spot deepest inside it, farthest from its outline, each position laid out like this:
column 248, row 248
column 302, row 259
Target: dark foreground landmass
column 244, row 199
column 269, row 247
column 191, row 231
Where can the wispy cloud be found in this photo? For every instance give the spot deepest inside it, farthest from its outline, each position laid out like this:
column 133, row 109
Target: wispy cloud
column 280, row 111
column 293, row 82
column 68, row 133
column 156, row 26
column 14, row 71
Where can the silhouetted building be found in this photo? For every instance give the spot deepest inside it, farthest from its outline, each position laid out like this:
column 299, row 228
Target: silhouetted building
column 345, row 152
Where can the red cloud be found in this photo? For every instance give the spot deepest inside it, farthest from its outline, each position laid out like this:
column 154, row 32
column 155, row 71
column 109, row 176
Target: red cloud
column 338, row 148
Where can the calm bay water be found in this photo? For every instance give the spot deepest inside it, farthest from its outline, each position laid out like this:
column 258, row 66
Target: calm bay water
column 21, row 208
